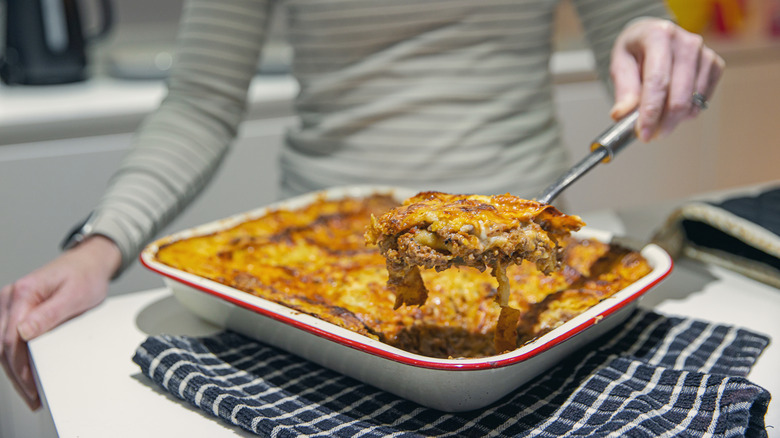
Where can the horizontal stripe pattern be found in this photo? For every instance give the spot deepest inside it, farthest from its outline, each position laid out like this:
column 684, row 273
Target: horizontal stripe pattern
column 451, row 95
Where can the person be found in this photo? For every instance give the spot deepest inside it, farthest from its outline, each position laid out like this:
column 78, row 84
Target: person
column 451, row 95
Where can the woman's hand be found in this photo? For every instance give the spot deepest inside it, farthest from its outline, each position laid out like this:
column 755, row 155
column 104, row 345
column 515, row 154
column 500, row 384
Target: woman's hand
column 71, row 284
column 658, row 66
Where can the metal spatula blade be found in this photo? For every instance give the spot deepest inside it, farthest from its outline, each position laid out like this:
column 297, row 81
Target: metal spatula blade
column 603, row 149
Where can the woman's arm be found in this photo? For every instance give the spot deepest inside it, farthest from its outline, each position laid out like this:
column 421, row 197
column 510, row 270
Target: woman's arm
column 179, row 147
column 175, row 153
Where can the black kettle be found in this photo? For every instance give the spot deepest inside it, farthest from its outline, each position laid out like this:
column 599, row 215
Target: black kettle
column 45, row 42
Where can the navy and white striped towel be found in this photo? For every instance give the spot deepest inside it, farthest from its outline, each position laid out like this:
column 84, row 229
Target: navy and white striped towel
column 653, row 376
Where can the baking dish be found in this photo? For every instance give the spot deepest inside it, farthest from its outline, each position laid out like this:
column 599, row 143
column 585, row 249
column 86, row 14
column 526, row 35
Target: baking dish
column 445, row 384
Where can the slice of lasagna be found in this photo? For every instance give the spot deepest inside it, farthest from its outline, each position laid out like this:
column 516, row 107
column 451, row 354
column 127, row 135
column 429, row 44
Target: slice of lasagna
column 435, row 230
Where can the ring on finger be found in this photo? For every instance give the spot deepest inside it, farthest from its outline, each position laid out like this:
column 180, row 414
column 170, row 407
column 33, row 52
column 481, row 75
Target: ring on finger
column 699, row 100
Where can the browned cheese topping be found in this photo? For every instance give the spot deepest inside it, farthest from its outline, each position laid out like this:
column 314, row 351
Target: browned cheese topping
column 315, row 260
column 435, row 230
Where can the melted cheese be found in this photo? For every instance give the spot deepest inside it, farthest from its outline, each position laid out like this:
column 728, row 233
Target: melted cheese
column 315, row 260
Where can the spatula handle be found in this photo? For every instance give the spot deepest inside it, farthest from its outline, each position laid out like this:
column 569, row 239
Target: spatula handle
column 618, row 136
column 603, row 148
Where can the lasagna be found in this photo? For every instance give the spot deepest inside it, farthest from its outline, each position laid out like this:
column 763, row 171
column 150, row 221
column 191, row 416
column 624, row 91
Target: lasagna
column 314, row 259
column 435, row 230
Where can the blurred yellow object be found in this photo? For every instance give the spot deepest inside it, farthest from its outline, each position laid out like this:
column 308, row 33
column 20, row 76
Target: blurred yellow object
column 729, row 15
column 692, row 15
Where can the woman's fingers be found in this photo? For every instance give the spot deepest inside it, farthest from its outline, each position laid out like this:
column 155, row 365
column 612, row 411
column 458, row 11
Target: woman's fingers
column 68, row 286
column 626, row 78
column 658, row 66
column 687, row 51
column 17, row 300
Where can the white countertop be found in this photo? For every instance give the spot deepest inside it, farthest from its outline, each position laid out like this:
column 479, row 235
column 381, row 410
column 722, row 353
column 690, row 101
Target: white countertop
column 93, row 389
column 104, row 104
column 105, row 97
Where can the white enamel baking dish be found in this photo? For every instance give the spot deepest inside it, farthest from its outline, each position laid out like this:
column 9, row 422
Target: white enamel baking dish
column 446, row 384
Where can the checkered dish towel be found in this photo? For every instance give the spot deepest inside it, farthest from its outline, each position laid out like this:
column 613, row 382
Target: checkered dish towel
column 652, row 376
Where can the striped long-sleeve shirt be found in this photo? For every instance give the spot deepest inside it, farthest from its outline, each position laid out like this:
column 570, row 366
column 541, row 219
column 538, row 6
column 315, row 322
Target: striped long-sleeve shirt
column 452, row 95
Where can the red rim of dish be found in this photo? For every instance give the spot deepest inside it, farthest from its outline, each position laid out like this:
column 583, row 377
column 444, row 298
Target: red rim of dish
column 433, row 363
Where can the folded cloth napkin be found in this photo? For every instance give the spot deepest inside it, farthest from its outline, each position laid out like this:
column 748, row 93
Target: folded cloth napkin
column 651, row 376
column 740, row 233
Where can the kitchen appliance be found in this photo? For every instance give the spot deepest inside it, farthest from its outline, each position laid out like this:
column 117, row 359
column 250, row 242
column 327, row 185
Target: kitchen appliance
column 45, row 41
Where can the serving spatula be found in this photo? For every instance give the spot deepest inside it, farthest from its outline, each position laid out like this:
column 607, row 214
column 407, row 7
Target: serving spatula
column 603, row 149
